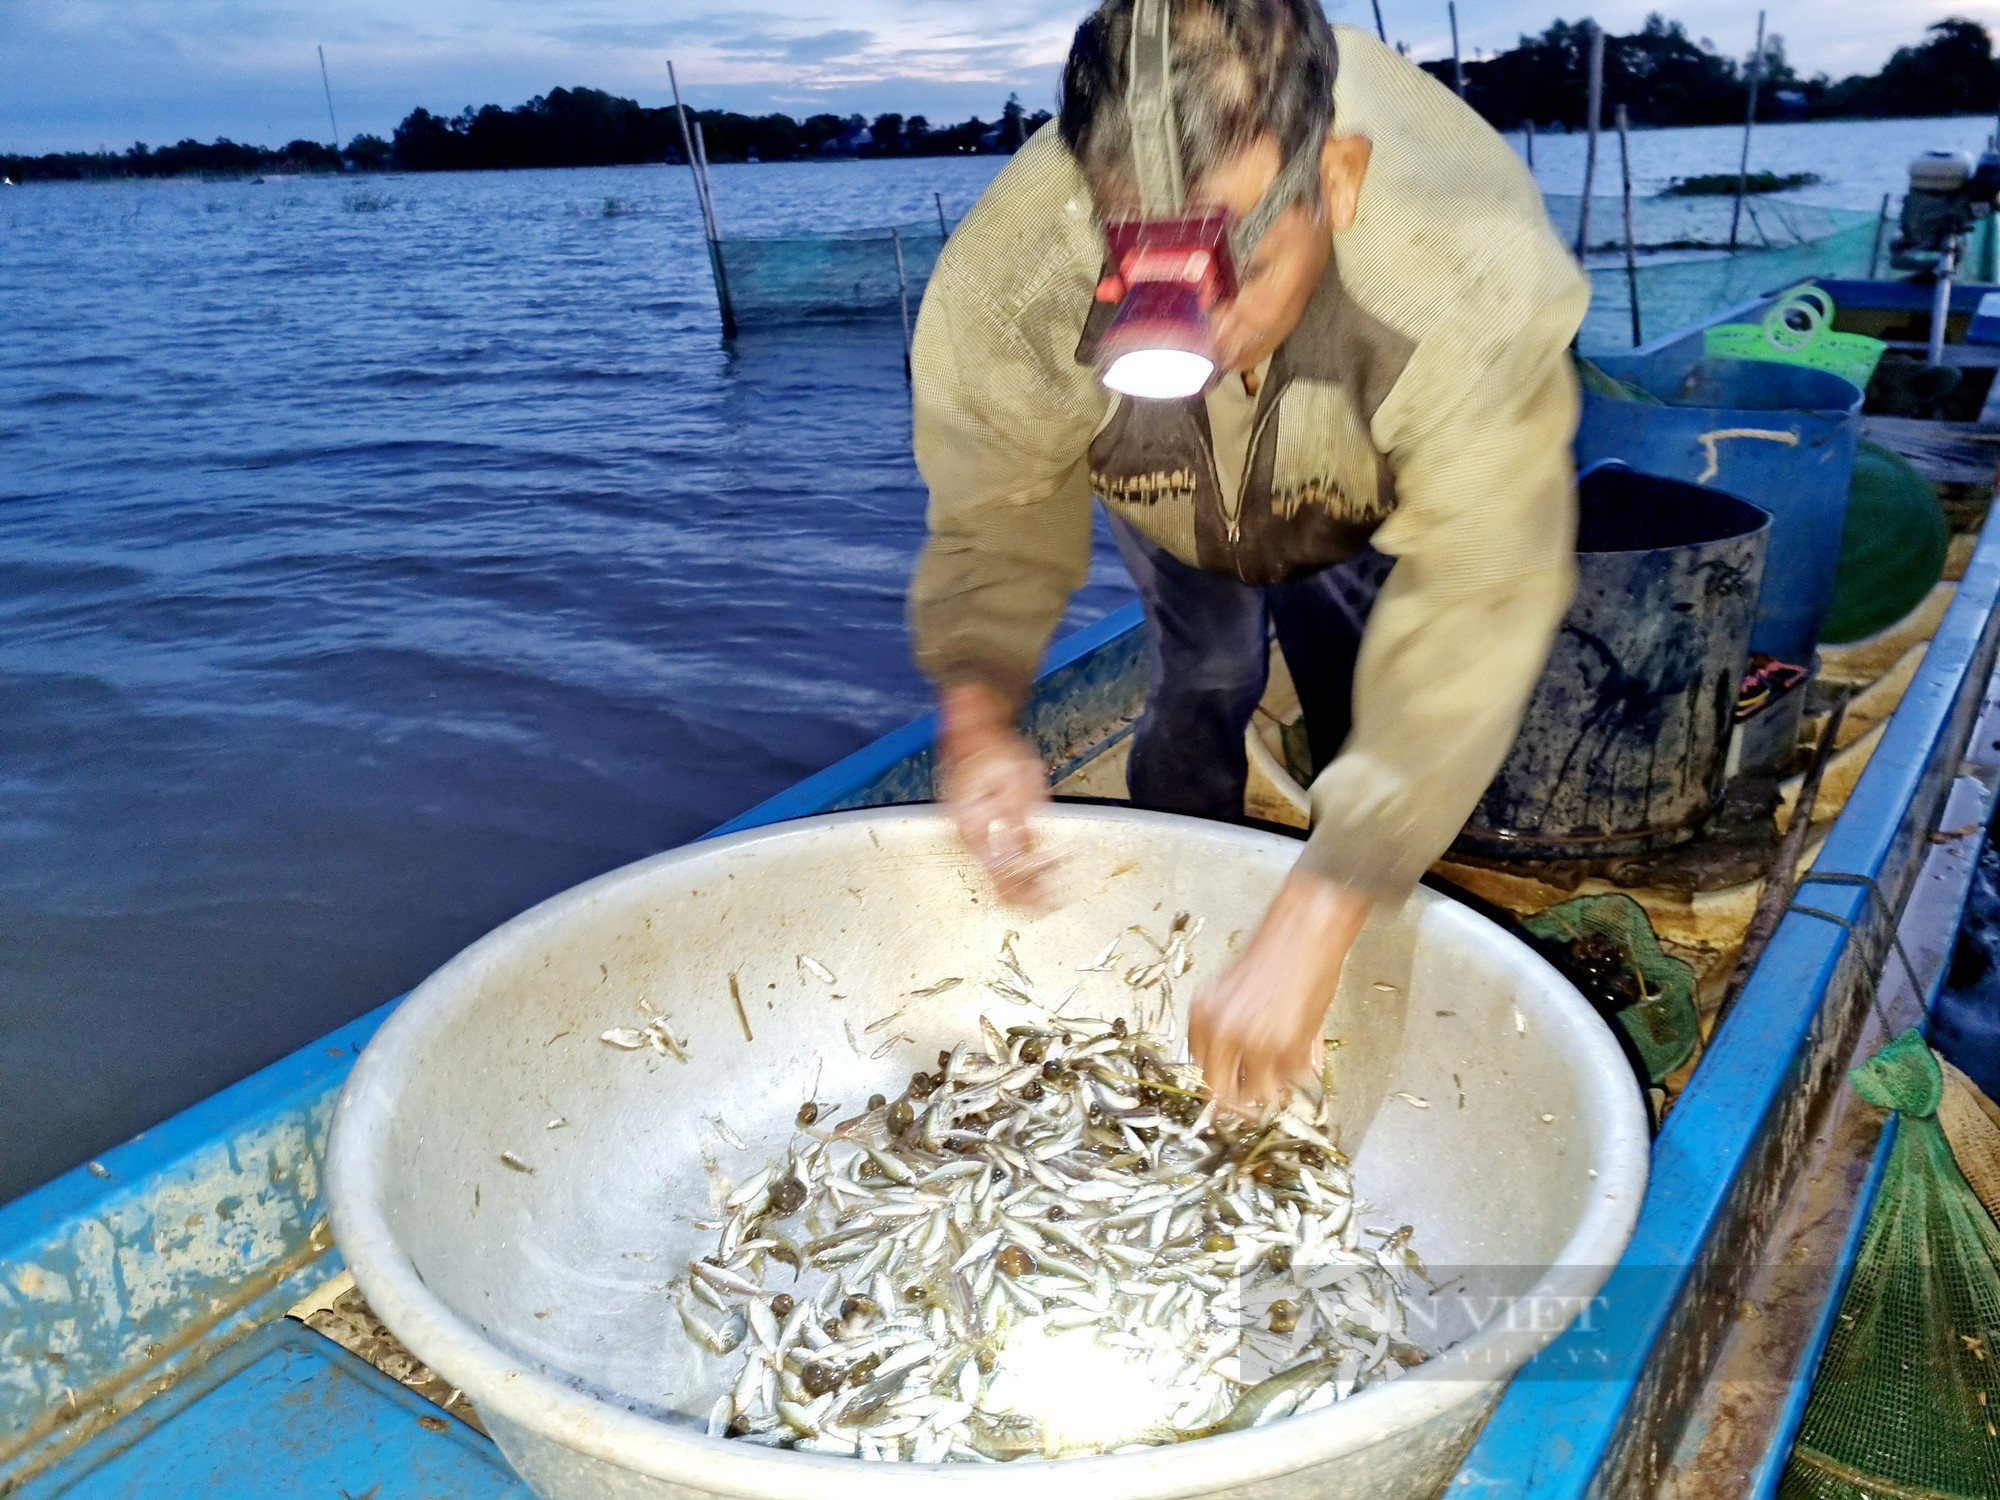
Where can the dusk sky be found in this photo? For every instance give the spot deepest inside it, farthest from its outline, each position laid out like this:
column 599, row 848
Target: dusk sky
column 82, row 74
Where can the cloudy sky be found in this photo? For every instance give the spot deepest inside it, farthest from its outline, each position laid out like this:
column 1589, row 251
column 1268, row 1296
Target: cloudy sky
column 91, row 73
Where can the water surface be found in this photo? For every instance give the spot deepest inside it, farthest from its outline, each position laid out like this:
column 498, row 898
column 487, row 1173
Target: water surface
column 379, row 557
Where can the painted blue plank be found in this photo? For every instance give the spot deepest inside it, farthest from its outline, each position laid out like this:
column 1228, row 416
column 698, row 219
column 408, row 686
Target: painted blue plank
column 1931, row 944
column 284, row 1413
column 197, row 1230
column 1748, row 310
column 1552, row 1437
column 900, row 748
column 308, row 1071
column 1902, row 296
column 1880, row 296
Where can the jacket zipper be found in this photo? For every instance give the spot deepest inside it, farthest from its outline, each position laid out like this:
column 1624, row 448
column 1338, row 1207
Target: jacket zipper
column 1231, row 514
column 1234, row 519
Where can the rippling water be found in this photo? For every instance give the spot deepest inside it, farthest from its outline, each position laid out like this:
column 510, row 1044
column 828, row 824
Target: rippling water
column 378, row 557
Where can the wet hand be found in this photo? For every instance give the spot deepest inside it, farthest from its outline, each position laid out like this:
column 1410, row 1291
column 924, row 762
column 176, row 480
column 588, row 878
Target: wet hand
column 1256, row 1030
column 992, row 783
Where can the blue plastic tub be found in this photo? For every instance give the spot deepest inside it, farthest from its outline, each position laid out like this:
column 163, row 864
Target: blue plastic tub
column 1780, row 436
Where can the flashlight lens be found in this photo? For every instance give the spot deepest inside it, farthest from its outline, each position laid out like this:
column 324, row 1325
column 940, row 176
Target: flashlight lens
column 1159, row 374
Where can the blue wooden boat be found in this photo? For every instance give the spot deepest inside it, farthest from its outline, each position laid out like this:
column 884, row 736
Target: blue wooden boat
column 162, row 1308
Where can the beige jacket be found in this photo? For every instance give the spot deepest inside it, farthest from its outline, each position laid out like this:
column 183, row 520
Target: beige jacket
column 1426, row 404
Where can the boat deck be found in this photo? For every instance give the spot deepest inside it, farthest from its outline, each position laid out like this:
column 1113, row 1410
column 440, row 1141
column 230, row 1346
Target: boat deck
column 175, row 1320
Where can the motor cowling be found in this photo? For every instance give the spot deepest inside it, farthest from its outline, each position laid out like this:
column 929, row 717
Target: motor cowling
column 1948, row 194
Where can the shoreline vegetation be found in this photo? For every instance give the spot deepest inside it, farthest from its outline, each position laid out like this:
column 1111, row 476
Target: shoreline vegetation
column 1663, row 76
column 1723, row 184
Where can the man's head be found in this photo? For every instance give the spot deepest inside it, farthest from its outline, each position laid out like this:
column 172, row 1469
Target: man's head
column 1252, row 82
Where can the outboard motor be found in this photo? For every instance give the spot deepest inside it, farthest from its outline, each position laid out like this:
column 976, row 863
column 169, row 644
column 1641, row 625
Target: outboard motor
column 1948, row 195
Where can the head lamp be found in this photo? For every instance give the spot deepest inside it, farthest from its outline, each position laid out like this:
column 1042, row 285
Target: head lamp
column 1170, row 265
column 1167, row 274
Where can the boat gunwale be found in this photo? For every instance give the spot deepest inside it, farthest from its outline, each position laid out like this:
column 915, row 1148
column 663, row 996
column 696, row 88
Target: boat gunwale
column 1765, row 1076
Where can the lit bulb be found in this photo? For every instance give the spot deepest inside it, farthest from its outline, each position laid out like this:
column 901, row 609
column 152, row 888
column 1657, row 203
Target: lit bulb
column 1159, row 374
column 1083, row 1396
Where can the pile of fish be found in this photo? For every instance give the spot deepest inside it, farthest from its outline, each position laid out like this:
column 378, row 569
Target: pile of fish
column 1062, row 1186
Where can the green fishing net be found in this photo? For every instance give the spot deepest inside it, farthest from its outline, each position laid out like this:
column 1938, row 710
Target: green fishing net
column 842, row 274
column 1906, row 1401
column 1606, row 947
column 1892, row 549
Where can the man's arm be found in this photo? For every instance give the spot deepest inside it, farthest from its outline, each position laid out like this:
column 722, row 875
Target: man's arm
column 1484, row 536
column 1002, row 430
column 1002, row 418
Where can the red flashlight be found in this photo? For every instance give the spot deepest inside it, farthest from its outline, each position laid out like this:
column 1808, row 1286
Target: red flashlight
column 1169, row 274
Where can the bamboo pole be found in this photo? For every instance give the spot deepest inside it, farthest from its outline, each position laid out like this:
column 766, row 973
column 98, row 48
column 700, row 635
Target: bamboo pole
column 1380, row 31
column 707, row 187
column 1875, row 250
column 1593, row 121
column 903, row 295
column 723, row 300
column 327, row 84
column 1631, row 245
column 697, row 159
column 1457, row 63
column 1749, row 120
column 702, row 205
column 1529, row 134
column 1783, row 877
column 944, row 229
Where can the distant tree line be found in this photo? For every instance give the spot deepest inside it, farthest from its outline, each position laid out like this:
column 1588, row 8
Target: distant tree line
column 577, row 127
column 219, row 158
column 1665, row 77
column 1661, row 74
column 586, row 127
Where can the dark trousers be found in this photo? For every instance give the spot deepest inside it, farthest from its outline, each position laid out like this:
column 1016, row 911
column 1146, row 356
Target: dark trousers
column 1208, row 648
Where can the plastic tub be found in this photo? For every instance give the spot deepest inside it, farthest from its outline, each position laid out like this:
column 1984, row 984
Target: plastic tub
column 1778, row 435
column 540, row 1293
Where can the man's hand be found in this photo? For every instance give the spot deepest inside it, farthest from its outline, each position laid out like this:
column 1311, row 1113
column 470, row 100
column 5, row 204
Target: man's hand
column 992, row 782
column 1254, row 1030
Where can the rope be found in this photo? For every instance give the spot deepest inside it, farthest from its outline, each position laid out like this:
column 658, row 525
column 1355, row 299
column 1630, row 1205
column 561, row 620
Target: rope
column 1860, row 934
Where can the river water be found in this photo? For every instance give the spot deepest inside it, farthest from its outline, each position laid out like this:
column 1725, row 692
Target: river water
column 378, row 557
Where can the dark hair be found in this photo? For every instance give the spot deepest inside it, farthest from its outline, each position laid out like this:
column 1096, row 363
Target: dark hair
column 1241, row 69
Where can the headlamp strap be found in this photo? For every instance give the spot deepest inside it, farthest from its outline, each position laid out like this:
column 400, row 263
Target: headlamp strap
column 1156, row 139
column 1149, row 106
column 1293, row 182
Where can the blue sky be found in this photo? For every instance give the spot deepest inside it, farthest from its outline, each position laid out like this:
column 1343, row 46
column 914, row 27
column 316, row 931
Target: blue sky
column 89, row 73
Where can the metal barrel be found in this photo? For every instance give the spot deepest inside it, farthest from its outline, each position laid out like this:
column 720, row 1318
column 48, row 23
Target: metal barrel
column 1623, row 745
column 1780, row 436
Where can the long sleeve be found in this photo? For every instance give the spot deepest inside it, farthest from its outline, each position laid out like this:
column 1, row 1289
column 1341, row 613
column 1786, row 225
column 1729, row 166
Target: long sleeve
column 1003, row 416
column 1484, row 537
